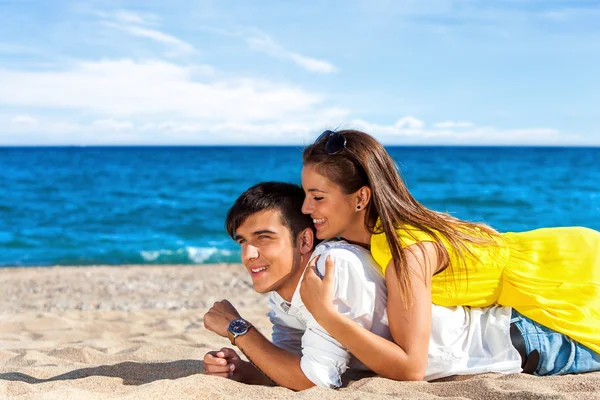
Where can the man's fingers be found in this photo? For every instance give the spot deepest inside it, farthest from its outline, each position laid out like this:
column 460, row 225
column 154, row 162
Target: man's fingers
column 228, row 353
column 329, row 267
column 226, row 302
column 213, row 358
column 217, row 369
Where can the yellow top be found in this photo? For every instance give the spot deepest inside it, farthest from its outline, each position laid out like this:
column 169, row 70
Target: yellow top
column 550, row 275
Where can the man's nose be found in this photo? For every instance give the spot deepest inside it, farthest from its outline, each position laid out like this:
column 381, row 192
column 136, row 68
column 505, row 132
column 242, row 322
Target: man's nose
column 249, row 252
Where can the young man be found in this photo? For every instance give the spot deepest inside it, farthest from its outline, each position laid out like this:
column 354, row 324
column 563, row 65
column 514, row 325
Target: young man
column 277, row 243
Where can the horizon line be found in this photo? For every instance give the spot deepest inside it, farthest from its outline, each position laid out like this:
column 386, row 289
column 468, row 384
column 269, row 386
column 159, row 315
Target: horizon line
column 9, row 146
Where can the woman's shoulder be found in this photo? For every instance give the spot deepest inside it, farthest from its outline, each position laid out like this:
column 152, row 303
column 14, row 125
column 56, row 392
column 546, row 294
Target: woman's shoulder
column 406, row 234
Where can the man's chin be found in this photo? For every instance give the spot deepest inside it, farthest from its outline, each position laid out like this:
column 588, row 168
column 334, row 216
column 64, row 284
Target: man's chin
column 261, row 288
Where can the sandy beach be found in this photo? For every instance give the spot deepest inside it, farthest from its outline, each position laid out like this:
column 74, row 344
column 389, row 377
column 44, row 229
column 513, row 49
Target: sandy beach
column 137, row 332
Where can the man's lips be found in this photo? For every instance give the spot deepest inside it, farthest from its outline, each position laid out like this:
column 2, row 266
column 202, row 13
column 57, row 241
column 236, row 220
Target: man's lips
column 258, row 269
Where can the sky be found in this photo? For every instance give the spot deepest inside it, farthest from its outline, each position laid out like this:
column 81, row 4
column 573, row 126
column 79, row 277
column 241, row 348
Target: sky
column 409, row 72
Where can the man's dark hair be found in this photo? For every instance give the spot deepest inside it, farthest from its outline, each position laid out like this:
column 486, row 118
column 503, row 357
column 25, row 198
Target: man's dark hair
column 286, row 198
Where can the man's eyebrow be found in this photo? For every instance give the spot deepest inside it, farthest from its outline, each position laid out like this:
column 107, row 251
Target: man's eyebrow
column 263, row 231
column 256, row 233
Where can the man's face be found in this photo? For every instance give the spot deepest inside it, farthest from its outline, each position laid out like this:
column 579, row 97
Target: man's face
column 269, row 254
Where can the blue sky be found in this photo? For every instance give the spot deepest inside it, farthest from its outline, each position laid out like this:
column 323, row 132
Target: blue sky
column 469, row 72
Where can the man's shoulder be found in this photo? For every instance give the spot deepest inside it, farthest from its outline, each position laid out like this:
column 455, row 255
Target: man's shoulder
column 341, row 250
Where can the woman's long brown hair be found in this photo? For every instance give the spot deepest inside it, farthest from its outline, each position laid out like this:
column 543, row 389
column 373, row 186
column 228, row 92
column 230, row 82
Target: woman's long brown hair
column 365, row 162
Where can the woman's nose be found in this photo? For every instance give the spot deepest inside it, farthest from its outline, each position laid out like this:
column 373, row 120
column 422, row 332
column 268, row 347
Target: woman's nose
column 306, row 207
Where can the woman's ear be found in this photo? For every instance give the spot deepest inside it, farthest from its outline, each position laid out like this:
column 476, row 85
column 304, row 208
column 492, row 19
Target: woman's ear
column 363, row 197
column 306, row 240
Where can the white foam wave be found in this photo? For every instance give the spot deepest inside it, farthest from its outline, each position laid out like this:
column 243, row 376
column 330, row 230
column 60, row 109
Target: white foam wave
column 196, row 255
column 201, row 254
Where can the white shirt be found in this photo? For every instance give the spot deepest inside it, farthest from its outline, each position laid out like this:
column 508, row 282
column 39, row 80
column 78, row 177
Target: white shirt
column 463, row 340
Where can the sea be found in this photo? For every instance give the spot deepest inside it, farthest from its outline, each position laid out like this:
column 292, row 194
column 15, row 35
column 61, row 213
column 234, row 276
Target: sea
column 167, row 205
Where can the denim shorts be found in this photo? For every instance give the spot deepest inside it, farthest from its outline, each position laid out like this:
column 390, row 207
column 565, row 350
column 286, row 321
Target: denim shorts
column 559, row 354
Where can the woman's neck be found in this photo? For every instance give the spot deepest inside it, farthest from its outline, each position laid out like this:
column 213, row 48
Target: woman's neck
column 360, row 237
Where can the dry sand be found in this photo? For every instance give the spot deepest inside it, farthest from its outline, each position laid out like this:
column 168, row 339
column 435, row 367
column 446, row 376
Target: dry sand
column 137, row 333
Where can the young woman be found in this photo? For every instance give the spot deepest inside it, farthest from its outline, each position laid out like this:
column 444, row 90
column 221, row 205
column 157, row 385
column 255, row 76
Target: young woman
column 550, row 277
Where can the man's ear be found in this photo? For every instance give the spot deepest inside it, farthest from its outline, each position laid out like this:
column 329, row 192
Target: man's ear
column 363, row 197
column 306, row 241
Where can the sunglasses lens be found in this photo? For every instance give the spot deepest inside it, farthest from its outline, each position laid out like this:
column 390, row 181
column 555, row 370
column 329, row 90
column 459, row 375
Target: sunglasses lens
column 335, row 143
column 324, row 135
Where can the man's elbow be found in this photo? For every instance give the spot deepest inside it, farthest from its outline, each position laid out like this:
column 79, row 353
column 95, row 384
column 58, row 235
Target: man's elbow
column 297, row 381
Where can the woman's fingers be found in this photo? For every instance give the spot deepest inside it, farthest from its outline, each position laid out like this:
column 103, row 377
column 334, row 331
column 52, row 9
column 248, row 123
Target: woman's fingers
column 312, row 264
column 329, row 268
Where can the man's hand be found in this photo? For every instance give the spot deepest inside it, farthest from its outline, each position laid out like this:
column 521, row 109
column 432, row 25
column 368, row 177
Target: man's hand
column 225, row 363
column 217, row 319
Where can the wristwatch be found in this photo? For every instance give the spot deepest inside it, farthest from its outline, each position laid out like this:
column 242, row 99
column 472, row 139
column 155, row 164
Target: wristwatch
column 237, row 327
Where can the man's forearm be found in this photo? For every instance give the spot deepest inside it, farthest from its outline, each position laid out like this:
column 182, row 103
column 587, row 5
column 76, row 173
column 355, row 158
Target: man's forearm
column 253, row 376
column 279, row 365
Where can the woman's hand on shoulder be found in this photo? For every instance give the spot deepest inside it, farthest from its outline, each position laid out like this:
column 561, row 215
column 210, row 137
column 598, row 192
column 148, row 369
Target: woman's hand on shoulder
column 316, row 291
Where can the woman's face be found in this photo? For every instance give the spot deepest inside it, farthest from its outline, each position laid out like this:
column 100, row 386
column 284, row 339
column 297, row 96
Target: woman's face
column 333, row 212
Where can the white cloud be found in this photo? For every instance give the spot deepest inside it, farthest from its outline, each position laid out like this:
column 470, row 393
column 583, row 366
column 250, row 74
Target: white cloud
column 178, row 46
column 104, row 132
column 136, row 25
column 149, row 89
column 263, row 43
column 24, row 120
column 129, row 17
column 298, row 130
column 111, row 124
column 453, row 124
column 409, row 123
column 410, row 130
column 312, row 64
column 156, row 102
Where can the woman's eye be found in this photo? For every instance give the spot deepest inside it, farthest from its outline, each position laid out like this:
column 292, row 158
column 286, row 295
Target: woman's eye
column 318, row 198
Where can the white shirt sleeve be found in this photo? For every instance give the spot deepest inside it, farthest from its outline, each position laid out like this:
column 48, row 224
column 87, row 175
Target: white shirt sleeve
column 324, row 359
column 285, row 336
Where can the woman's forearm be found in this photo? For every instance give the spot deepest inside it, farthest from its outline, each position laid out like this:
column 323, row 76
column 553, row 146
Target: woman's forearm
column 380, row 355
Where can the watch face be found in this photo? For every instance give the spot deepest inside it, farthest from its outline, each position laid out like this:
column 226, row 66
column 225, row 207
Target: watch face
column 238, row 326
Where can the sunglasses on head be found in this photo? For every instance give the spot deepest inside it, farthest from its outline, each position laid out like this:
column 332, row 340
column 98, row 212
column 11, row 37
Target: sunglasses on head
column 336, row 142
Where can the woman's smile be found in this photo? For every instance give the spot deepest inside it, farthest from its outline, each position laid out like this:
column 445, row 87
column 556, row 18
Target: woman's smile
column 319, row 222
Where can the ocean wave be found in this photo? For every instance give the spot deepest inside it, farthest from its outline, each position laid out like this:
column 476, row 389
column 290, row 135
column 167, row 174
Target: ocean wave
column 189, row 254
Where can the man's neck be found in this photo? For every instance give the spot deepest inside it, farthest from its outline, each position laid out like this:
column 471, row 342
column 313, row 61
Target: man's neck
column 287, row 292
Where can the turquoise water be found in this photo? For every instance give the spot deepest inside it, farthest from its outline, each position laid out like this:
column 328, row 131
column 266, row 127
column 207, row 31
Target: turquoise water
column 166, row 205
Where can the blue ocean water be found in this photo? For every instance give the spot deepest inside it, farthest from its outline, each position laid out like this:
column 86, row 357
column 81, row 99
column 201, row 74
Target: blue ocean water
column 167, row 205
